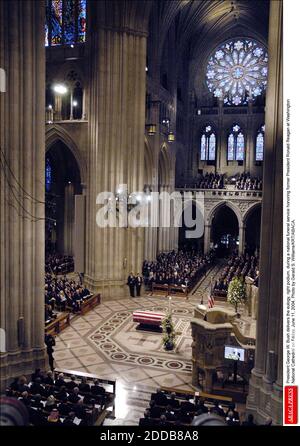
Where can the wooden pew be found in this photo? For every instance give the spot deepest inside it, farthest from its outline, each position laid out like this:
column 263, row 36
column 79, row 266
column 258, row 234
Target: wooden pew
column 89, row 377
column 58, row 324
column 89, row 303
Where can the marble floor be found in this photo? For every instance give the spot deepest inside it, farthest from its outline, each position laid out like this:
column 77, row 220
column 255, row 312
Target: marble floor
column 106, row 342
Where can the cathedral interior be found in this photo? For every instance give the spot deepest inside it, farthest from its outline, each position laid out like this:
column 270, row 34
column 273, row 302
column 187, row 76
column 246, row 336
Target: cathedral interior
column 140, row 99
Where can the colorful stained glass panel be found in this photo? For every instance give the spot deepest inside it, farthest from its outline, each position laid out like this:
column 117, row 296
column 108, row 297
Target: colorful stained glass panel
column 56, row 22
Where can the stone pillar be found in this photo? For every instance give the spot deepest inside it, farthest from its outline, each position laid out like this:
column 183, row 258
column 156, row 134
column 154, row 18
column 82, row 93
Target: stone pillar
column 265, row 396
column 207, row 231
column 117, row 89
column 241, row 239
column 22, row 188
column 69, row 210
column 57, row 106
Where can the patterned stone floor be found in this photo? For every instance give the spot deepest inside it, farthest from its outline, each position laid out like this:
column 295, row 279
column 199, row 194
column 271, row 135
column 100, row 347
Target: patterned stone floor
column 106, row 342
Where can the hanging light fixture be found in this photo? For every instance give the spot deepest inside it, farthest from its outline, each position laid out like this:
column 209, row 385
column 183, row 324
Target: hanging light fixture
column 60, row 88
column 171, row 137
column 151, row 128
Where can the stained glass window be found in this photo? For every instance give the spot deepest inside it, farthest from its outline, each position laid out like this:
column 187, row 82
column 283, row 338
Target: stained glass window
column 235, row 144
column 260, row 142
column 208, row 145
column 237, row 71
column 212, row 147
column 230, row 150
column 56, row 22
column 240, row 147
column 203, row 148
column 65, row 22
column 48, row 175
column 81, row 20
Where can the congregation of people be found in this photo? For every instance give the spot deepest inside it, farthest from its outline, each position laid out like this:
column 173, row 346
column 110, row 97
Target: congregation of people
column 246, row 182
column 243, row 181
column 181, row 268
column 55, row 399
column 59, row 264
column 62, row 293
column 167, row 409
column 238, row 266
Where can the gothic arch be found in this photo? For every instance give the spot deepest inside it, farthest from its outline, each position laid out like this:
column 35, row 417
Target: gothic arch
column 221, row 204
column 249, row 211
column 56, row 133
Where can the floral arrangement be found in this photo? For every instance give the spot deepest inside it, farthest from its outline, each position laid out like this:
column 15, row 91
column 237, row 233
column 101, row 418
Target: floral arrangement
column 236, row 292
column 169, row 332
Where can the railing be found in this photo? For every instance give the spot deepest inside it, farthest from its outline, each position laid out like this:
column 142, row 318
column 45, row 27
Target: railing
column 225, row 193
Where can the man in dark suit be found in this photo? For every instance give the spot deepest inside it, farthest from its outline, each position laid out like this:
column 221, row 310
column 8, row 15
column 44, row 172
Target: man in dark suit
column 74, row 397
column 70, row 385
column 160, row 398
column 131, row 284
column 60, row 381
column 96, row 389
column 187, row 406
column 138, row 284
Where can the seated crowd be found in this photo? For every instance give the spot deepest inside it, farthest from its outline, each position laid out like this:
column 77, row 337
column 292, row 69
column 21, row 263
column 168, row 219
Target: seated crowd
column 211, row 181
column 182, row 268
column 55, row 399
column 63, row 293
column 59, row 264
column 238, row 266
column 246, row 182
column 169, row 409
column 206, row 181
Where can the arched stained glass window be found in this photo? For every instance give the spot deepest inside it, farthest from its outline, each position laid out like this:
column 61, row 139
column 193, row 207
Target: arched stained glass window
column 235, row 144
column 48, row 175
column 208, row 144
column 212, row 147
column 237, row 71
column 260, row 142
column 230, row 149
column 240, row 147
column 203, row 147
column 65, row 22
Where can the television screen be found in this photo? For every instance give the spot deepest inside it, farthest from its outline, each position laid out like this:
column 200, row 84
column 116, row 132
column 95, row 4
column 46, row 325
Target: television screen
column 235, row 353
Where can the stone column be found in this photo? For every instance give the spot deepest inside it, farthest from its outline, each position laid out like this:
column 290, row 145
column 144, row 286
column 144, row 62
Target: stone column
column 57, row 106
column 117, row 88
column 241, row 239
column 22, row 190
column 69, row 209
column 207, row 232
column 263, row 394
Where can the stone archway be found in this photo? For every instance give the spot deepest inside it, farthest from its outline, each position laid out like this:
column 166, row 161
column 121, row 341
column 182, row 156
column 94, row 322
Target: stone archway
column 63, row 182
column 235, row 229
column 56, row 133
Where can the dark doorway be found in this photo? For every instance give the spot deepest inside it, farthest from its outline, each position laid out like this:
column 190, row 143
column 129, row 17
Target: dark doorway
column 62, row 182
column 252, row 231
column 225, row 231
